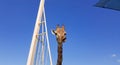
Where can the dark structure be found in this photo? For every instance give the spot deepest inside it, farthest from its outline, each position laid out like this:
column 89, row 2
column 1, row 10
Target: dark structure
column 110, row 4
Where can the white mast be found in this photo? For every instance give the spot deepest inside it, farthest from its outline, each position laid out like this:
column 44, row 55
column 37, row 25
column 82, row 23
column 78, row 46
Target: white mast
column 31, row 56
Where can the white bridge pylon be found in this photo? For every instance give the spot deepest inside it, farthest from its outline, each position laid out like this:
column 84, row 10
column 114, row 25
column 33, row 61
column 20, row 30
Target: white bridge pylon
column 40, row 40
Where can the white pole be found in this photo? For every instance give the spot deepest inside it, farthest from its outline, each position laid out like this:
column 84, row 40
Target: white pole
column 30, row 60
column 47, row 39
column 42, row 43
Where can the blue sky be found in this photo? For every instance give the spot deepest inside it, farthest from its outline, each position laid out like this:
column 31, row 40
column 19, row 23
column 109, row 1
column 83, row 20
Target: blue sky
column 93, row 34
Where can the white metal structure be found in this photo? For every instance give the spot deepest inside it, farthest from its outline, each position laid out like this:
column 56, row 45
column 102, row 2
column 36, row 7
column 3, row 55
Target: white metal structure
column 34, row 48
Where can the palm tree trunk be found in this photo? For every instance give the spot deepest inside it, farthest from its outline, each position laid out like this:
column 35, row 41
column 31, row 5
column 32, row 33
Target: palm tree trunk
column 60, row 58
